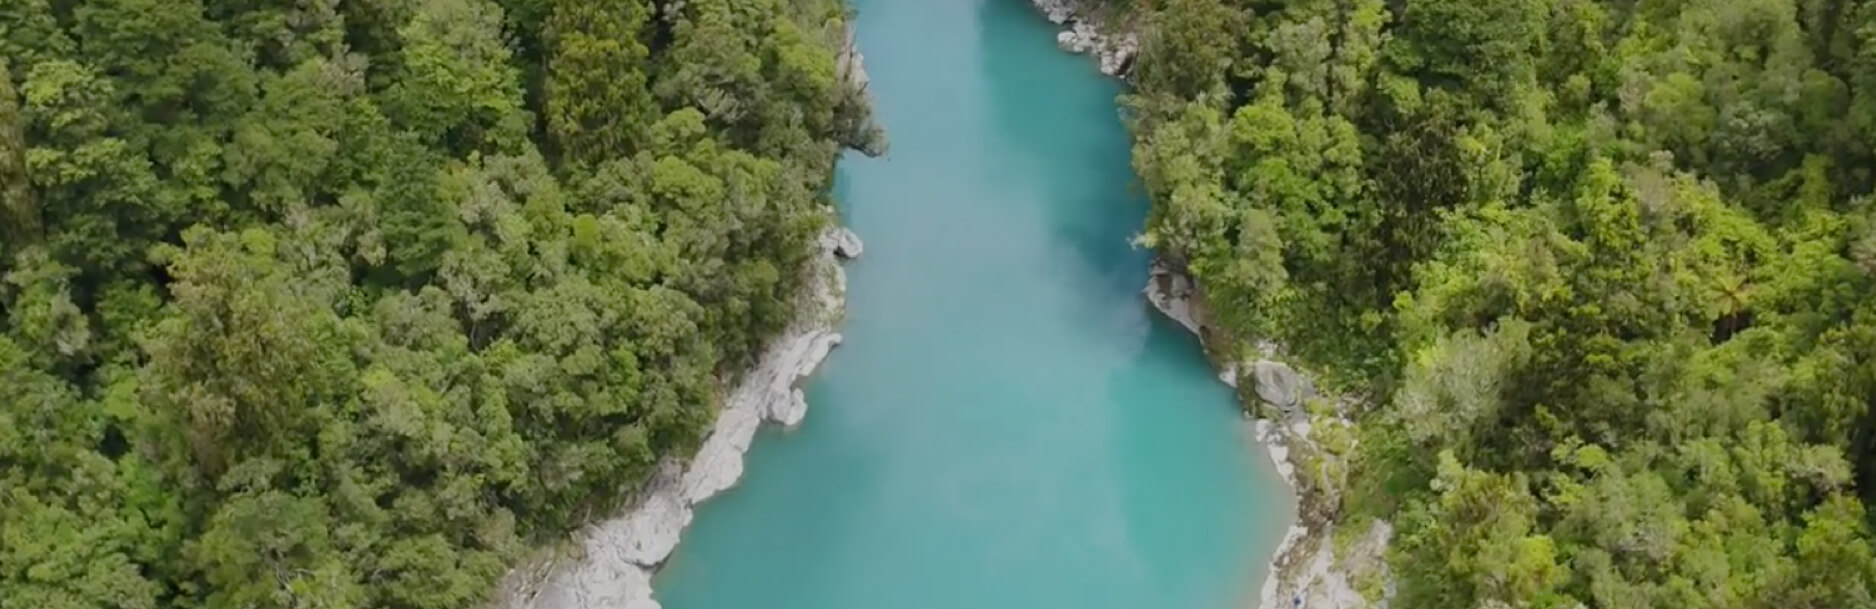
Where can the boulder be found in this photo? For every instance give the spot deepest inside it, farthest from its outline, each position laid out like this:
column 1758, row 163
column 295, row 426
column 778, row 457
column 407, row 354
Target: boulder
column 1069, row 41
column 1172, row 292
column 1117, row 55
column 1228, row 374
column 1277, row 384
column 842, row 242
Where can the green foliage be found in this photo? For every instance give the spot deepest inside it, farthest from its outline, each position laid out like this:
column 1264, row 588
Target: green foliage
column 1607, row 264
column 1189, row 48
column 20, row 212
column 597, row 103
column 332, row 305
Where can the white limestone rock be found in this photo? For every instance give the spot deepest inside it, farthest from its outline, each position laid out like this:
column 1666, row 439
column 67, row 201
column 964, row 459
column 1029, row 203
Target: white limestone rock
column 646, row 536
column 626, row 587
column 785, row 403
column 1268, row 434
column 1228, row 374
column 842, row 242
column 1117, row 54
column 1070, row 41
column 796, row 409
column 719, row 465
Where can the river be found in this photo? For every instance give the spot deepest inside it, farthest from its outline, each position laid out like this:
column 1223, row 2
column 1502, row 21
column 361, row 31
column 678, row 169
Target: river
column 1008, row 425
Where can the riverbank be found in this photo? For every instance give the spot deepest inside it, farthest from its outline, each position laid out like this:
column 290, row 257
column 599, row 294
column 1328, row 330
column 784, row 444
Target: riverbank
column 1322, row 563
column 613, row 561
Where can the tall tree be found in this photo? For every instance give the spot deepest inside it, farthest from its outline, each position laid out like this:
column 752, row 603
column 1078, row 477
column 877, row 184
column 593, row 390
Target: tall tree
column 16, row 195
column 598, row 103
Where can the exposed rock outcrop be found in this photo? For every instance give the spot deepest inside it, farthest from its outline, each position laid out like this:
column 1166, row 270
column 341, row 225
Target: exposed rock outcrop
column 843, row 243
column 1322, row 578
column 1279, row 385
column 618, row 556
column 1112, row 42
column 1174, row 295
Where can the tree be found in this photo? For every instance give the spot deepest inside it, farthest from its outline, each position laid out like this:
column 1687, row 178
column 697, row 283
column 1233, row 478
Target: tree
column 295, row 311
column 598, row 103
column 247, row 360
column 1477, row 48
column 16, row 196
column 1601, row 269
column 458, row 89
column 1189, row 48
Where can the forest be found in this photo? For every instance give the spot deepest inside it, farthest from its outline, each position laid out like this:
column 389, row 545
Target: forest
column 325, row 304
column 1602, row 274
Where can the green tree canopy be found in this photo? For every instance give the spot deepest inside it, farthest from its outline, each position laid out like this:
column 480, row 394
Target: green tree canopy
column 1606, row 268
column 350, row 304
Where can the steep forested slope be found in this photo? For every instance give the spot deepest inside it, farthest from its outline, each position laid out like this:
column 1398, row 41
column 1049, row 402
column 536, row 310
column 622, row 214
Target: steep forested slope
column 331, row 304
column 1604, row 270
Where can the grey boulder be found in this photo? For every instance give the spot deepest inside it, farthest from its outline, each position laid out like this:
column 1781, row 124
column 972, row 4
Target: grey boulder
column 1280, row 385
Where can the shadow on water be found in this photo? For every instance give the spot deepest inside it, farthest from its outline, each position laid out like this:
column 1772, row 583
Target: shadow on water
column 1044, row 111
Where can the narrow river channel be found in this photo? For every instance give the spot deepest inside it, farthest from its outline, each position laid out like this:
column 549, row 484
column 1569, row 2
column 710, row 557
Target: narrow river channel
column 1008, row 425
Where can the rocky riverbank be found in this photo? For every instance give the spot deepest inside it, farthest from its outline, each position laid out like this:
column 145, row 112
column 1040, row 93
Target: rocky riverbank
column 610, row 563
column 1321, row 563
column 1094, row 29
column 615, row 559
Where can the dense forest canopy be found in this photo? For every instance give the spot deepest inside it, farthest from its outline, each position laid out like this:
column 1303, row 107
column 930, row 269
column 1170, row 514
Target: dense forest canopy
column 1604, row 269
column 328, row 304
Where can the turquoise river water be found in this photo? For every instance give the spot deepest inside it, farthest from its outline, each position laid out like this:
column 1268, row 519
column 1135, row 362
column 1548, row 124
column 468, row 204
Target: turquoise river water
column 1009, row 425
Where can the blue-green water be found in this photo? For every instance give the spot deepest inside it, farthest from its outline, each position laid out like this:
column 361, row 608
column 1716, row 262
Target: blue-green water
column 1008, row 424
